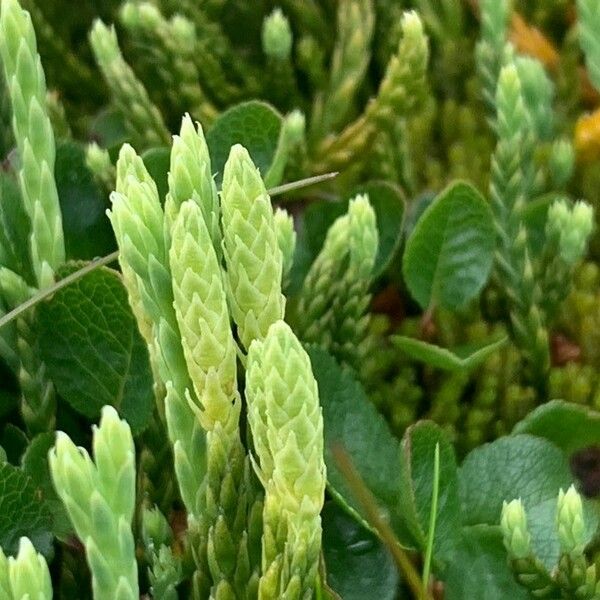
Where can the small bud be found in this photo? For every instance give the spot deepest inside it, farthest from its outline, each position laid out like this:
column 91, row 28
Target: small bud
column 286, row 237
column 569, row 521
column 97, row 158
column 28, row 573
column 295, row 127
column 575, row 237
column 517, row 540
column 558, row 219
column 184, row 30
column 98, row 162
column 277, row 36
column 254, row 260
column 156, row 531
column 562, row 161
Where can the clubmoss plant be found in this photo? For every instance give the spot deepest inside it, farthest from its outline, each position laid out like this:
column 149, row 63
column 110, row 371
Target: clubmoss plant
column 143, row 120
column 490, row 48
column 573, row 576
column 252, row 254
column 534, row 285
column 172, row 44
column 210, row 352
column 35, row 139
column 213, row 484
column 528, row 570
column 350, row 58
column 335, row 315
column 589, row 21
column 26, row 575
column 287, row 429
column 100, row 499
column 138, row 221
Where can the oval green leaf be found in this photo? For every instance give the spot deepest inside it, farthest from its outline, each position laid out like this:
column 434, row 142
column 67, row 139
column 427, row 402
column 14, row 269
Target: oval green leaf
column 418, row 448
column 460, row 358
column 358, row 565
column 23, row 512
column 519, row 466
column 389, row 205
column 449, row 254
column 568, row 426
column 83, row 204
column 352, row 422
column 93, row 350
column 157, row 161
column 256, row 125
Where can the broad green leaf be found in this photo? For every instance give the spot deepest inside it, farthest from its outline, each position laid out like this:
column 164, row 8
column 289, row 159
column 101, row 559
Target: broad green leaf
column 254, row 124
column 83, row 204
column 157, row 161
column 93, row 350
column 459, row 358
column 358, row 565
column 22, row 512
column 9, row 400
column 568, row 426
column 479, row 568
column 518, row 466
column 541, row 523
column 389, row 206
column 108, row 129
column 387, row 202
column 352, row 422
column 14, row 229
column 534, row 217
column 35, row 464
column 418, row 447
column 449, row 254
column 14, row 441
column 416, row 207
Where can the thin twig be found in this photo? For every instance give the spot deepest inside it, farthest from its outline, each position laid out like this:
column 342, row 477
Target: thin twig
column 42, row 294
column 369, row 505
column 301, row 183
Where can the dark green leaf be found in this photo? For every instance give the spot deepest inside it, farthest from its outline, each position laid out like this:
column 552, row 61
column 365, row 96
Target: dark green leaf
column 418, row 447
column 14, row 441
column 83, row 204
column 358, row 565
column 157, row 161
column 35, row 464
column 93, row 350
column 108, row 129
column 534, row 217
column 254, row 124
column 479, row 568
column 387, row 202
column 460, row 358
column 416, row 207
column 541, row 523
column 449, row 254
column 389, row 205
column 22, row 512
column 519, row 466
column 9, row 401
column 352, row 422
column 14, row 229
column 568, row 426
